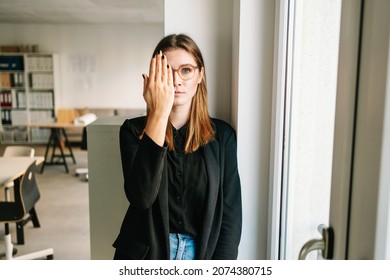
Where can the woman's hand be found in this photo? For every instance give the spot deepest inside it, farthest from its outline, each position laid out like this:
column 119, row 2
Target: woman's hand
column 159, row 94
column 158, row 87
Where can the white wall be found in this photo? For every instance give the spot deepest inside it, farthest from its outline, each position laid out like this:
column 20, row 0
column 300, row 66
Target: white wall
column 236, row 39
column 100, row 65
column 209, row 23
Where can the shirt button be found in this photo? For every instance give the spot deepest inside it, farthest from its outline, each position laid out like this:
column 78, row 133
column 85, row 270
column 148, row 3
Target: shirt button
column 178, row 174
column 180, row 222
column 178, row 197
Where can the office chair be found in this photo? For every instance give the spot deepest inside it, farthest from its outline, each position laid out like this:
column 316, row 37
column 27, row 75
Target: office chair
column 12, row 151
column 26, row 195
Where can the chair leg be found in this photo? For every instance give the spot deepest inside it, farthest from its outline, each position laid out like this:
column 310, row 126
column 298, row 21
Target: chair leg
column 8, row 243
column 19, row 233
column 8, row 247
column 34, row 218
column 20, row 225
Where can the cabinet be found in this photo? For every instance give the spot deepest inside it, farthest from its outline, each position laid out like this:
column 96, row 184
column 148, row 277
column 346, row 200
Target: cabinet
column 27, row 96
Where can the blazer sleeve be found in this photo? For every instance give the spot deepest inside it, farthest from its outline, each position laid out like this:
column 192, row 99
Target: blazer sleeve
column 142, row 165
column 230, row 233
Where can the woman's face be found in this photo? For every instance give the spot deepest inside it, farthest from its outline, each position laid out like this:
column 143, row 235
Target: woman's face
column 182, row 61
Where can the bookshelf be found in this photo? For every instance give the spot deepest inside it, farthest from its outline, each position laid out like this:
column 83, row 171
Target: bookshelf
column 27, row 96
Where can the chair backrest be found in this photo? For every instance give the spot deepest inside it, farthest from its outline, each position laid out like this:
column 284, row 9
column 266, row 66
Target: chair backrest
column 18, row 151
column 29, row 191
column 26, row 195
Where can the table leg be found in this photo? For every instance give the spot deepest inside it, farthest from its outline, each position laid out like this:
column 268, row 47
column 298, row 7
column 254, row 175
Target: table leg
column 54, row 142
column 51, row 138
column 67, row 143
column 62, row 150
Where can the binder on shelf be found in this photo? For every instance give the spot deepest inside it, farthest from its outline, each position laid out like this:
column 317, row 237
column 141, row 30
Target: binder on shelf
column 21, row 100
column 17, row 80
column 19, row 117
column 41, row 100
column 41, row 117
column 5, row 80
column 38, row 63
column 41, row 80
column 6, row 116
column 9, row 80
column 5, row 98
column 11, row 63
column 14, row 98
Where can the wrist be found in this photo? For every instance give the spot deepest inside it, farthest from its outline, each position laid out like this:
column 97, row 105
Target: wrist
column 155, row 128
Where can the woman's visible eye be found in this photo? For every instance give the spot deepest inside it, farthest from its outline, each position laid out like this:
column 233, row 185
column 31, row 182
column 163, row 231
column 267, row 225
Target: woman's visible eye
column 186, row 70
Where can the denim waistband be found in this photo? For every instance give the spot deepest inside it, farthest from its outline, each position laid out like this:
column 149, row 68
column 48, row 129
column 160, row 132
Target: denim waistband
column 182, row 246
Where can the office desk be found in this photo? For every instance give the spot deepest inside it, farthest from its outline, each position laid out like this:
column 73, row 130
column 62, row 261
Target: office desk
column 12, row 168
column 56, row 130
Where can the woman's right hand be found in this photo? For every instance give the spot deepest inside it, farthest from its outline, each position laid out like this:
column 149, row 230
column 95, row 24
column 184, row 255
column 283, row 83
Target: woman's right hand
column 159, row 91
column 159, row 94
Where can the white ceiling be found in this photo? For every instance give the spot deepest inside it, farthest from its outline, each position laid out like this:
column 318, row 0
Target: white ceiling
column 81, row 11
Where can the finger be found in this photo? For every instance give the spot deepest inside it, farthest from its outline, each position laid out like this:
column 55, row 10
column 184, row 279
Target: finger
column 146, row 78
column 158, row 67
column 152, row 68
column 164, row 64
column 170, row 76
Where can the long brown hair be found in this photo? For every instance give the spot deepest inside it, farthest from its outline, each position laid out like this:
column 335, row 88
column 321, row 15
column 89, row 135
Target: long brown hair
column 200, row 129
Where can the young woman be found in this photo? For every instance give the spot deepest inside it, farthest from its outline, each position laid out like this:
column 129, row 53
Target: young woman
column 179, row 166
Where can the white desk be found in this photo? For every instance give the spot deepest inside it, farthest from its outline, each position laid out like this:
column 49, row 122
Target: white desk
column 12, row 168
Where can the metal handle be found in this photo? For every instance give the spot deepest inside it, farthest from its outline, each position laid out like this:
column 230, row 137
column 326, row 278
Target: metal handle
column 325, row 245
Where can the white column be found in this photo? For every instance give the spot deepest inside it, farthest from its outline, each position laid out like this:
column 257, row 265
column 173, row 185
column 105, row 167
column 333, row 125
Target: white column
column 253, row 58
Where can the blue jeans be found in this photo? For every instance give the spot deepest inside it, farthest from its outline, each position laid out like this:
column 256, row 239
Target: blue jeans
column 182, row 246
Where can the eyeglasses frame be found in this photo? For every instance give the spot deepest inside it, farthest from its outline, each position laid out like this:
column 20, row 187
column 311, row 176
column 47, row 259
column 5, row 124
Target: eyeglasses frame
column 183, row 66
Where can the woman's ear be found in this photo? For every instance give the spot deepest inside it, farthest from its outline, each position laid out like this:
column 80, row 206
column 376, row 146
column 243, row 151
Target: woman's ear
column 201, row 72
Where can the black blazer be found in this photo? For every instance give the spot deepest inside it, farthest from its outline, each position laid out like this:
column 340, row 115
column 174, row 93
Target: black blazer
column 145, row 228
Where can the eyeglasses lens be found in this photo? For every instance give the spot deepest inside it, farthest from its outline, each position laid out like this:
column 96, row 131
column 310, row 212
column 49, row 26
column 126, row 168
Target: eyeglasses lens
column 186, row 72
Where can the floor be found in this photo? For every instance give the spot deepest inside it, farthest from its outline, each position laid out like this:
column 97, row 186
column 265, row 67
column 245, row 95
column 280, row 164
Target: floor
column 63, row 212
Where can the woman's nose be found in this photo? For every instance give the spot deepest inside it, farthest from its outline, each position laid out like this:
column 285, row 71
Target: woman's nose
column 176, row 79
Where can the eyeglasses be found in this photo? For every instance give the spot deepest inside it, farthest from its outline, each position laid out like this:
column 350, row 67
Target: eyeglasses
column 186, row 72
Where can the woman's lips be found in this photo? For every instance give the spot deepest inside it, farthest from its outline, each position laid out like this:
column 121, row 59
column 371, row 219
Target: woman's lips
column 179, row 92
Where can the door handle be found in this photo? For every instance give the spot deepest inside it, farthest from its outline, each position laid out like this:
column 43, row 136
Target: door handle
column 325, row 245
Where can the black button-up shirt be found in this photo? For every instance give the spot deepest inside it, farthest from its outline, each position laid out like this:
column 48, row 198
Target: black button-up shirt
column 187, row 186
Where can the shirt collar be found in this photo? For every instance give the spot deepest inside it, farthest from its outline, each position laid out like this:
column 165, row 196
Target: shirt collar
column 182, row 131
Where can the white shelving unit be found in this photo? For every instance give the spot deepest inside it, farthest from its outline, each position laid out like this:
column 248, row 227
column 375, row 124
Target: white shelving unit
column 27, row 96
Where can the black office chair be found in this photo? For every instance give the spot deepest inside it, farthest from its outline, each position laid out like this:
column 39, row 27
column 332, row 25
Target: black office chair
column 26, row 195
column 12, row 151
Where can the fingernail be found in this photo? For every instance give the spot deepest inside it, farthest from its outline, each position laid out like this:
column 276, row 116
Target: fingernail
column 143, row 76
column 163, row 57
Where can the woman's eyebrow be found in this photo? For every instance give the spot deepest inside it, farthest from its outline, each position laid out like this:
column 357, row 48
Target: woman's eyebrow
column 185, row 64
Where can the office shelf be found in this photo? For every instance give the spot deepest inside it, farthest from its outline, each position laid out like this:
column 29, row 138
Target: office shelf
column 27, row 95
